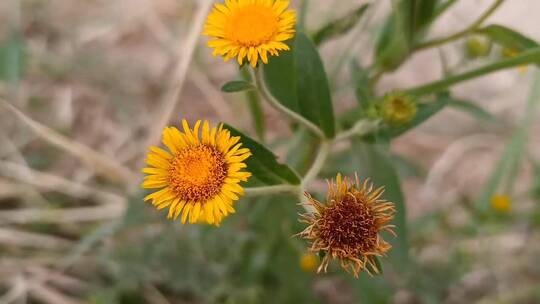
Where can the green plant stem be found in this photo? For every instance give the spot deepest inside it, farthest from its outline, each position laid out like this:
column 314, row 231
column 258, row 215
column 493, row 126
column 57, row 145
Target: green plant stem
column 322, row 154
column 463, row 33
column 258, row 191
column 527, row 57
column 265, row 92
column 360, row 128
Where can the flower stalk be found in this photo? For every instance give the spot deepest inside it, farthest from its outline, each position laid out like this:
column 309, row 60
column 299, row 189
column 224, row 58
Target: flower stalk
column 265, row 92
column 474, row 26
column 360, row 128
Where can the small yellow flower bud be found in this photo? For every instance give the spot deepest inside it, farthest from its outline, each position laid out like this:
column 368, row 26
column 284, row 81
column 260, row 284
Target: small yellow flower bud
column 501, row 203
column 309, row 262
column 477, row 47
column 398, row 108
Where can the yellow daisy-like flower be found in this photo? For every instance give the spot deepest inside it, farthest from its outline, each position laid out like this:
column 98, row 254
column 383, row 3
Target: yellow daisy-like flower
column 348, row 226
column 250, row 28
column 199, row 177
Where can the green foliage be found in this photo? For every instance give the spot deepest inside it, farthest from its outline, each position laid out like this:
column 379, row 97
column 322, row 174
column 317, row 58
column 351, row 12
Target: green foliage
column 251, row 258
column 263, row 164
column 473, row 110
column 393, row 45
column 12, row 58
column 339, row 26
column 421, row 15
column 298, row 80
column 361, row 81
column 237, row 86
column 508, row 38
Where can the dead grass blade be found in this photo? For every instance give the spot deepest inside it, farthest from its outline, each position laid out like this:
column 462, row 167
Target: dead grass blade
column 100, row 163
column 14, row 237
column 46, row 181
column 62, row 216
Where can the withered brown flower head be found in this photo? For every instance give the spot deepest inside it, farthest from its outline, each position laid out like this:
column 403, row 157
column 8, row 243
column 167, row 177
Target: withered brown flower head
column 348, row 226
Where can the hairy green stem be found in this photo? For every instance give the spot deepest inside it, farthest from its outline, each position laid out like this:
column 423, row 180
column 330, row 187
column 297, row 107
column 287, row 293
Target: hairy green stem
column 265, row 92
column 362, row 127
column 322, row 154
column 465, row 32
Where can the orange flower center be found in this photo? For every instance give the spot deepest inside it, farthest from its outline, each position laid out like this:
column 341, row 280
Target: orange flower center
column 252, row 25
column 197, row 173
column 349, row 227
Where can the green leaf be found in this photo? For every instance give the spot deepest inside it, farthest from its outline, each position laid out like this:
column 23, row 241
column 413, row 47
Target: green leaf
column 308, row 95
column 527, row 57
column 374, row 162
column 409, row 21
column 12, row 58
column 508, row 38
column 339, row 26
column 473, row 109
column 393, row 44
column 263, row 163
column 442, row 7
column 360, row 78
column 422, row 14
column 237, row 86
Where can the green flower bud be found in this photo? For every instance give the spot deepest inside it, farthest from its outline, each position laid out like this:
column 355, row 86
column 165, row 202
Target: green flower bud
column 477, row 47
column 397, row 108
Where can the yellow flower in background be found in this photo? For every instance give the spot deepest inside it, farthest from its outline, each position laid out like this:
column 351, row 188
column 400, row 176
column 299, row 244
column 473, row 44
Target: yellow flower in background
column 348, row 226
column 309, row 262
column 511, row 53
column 250, row 29
column 398, row 108
column 501, row 203
column 199, row 177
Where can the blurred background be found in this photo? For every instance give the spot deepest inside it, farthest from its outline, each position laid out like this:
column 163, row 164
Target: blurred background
column 85, row 87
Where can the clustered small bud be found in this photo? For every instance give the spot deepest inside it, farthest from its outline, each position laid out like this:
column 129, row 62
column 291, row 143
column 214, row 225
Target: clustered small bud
column 398, row 108
column 478, row 47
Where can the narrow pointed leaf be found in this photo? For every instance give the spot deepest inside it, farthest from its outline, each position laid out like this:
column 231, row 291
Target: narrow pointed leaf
column 237, row 86
column 263, row 163
column 339, row 26
column 508, row 38
column 308, row 95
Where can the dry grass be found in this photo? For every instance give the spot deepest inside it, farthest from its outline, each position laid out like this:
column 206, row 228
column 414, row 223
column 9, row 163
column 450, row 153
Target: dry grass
column 104, row 77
